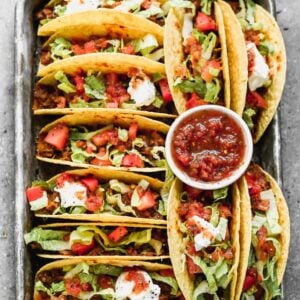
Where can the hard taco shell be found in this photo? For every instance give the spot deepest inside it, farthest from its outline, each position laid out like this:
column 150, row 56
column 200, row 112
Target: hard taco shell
column 177, row 246
column 104, row 174
column 245, row 235
column 174, row 54
column 92, row 118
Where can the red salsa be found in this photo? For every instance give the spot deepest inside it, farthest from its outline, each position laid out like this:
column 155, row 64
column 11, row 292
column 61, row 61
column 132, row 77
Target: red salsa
column 208, row 146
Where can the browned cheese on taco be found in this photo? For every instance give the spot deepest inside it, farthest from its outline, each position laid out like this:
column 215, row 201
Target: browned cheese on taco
column 101, row 195
column 102, row 278
column 124, row 241
column 115, row 141
column 203, row 236
column 266, row 61
column 104, row 82
column 59, row 12
column 196, row 55
column 264, row 244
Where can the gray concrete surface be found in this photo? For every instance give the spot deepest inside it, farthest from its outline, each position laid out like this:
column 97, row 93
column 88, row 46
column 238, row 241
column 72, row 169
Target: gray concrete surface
column 289, row 20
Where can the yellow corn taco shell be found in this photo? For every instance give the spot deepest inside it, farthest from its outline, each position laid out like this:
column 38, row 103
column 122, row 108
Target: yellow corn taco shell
column 92, row 119
column 237, row 55
column 174, row 54
column 104, row 63
column 105, row 174
column 116, row 224
column 148, row 266
column 177, row 245
column 278, row 69
column 102, row 16
column 245, row 233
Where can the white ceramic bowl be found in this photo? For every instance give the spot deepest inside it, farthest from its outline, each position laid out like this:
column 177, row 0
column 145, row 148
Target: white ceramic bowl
column 203, row 185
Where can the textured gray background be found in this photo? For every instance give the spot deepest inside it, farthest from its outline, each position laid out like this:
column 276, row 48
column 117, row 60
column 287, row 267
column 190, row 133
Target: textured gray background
column 289, row 20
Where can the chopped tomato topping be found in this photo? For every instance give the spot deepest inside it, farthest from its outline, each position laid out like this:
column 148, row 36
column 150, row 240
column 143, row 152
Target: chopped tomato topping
column 60, row 181
column 165, row 90
column 140, row 283
column 132, row 132
column 129, row 49
column 248, row 283
column 58, row 136
column 101, row 162
column 77, row 49
column 91, row 183
column 80, row 249
column 94, row 203
column 86, row 287
column 258, row 204
column 90, row 47
column 73, row 286
column 256, row 181
column 112, row 105
column 253, row 36
column 100, row 139
column 118, row 234
column 34, row 193
column 252, row 278
column 256, row 100
column 167, row 273
column 79, row 82
column 207, row 71
column 132, row 160
column 105, row 282
column 192, row 267
column 224, row 210
column 147, row 201
column 205, row 23
column 115, row 90
column 194, row 101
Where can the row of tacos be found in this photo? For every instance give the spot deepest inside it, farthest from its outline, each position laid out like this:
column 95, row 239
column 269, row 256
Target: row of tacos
column 214, row 52
column 230, row 243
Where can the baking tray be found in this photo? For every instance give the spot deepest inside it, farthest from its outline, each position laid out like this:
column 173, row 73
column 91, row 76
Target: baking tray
column 267, row 152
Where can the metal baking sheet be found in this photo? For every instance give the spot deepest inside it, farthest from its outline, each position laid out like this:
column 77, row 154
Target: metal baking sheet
column 267, row 152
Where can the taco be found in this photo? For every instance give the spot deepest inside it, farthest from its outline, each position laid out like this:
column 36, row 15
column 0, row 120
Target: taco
column 99, row 37
column 105, row 279
column 126, row 241
column 203, row 230
column 59, row 12
column 111, row 140
column 196, row 56
column 104, row 195
column 264, row 247
column 103, row 82
column 266, row 61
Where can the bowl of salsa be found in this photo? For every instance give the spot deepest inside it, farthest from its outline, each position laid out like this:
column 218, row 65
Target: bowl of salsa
column 209, row 147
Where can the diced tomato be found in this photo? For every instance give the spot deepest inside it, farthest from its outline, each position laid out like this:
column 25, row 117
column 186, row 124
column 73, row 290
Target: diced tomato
column 80, row 249
column 147, row 201
column 61, row 102
column 261, row 235
column 33, row 193
column 129, row 49
column 111, row 78
column 60, row 181
column 206, row 71
column 224, row 210
column 132, row 132
column 91, row 183
column 132, row 160
column 258, row 204
column 192, row 267
column 256, row 100
column 192, row 192
column 118, row 234
column 105, row 282
column 253, row 36
column 77, row 49
column 73, row 286
column 253, row 186
column 101, row 162
column 167, row 273
column 58, row 136
column 140, row 282
column 100, row 139
column 165, row 90
column 248, row 283
column 90, row 47
column 79, row 82
column 86, row 287
column 205, row 23
column 94, row 203
column 194, row 101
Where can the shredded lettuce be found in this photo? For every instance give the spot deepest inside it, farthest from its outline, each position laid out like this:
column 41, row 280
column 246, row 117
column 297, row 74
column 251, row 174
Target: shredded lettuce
column 60, row 10
column 220, row 193
column 196, row 85
column 206, row 6
column 56, row 287
column 65, row 85
column 76, row 133
column 95, row 86
column 156, row 245
column 248, row 114
column 78, row 155
column 156, row 55
column 266, row 48
column 85, row 104
column 135, row 198
column 209, row 45
column 118, row 186
column 168, row 280
column 213, row 90
column 44, row 185
column 145, row 45
column 79, row 268
column 106, row 270
column 116, row 157
column 60, row 49
column 123, row 134
column 82, row 237
column 152, row 11
column 183, row 4
column 201, row 289
column 116, row 199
